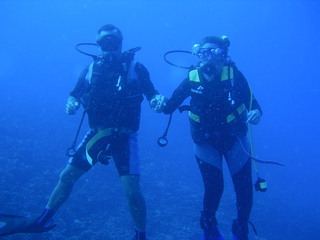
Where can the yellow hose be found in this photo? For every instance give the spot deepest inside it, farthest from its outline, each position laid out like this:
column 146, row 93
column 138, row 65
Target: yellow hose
column 250, row 134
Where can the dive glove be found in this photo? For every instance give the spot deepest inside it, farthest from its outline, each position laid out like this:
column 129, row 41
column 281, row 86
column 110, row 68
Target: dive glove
column 72, row 105
column 157, row 102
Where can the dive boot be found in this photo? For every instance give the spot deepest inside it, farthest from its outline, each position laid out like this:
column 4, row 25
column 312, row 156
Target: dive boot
column 212, row 234
column 240, row 230
column 140, row 235
column 209, row 226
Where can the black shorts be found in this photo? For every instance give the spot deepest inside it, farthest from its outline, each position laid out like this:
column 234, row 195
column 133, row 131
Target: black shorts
column 122, row 147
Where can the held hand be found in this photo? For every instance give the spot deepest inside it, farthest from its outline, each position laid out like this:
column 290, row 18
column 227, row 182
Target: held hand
column 158, row 102
column 254, row 116
column 72, row 105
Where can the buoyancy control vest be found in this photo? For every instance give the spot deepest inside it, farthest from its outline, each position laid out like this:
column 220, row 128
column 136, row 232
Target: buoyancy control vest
column 113, row 95
column 217, row 107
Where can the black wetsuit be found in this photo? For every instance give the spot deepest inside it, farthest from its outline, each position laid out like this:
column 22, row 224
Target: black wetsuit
column 214, row 137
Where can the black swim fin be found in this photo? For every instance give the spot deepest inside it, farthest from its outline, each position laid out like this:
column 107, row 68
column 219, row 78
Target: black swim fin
column 11, row 224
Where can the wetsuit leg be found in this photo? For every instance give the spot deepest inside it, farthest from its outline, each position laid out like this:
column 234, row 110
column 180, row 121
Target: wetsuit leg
column 213, row 186
column 210, row 164
column 242, row 181
column 240, row 169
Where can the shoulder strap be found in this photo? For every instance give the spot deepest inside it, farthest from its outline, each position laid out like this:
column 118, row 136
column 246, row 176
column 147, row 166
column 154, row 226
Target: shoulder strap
column 227, row 73
column 131, row 73
column 89, row 73
column 194, row 76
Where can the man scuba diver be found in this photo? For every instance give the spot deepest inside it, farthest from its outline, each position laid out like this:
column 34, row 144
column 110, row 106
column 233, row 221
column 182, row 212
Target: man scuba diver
column 220, row 108
column 111, row 90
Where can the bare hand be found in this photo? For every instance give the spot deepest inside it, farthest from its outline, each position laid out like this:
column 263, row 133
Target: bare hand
column 254, row 116
column 72, row 105
column 158, row 102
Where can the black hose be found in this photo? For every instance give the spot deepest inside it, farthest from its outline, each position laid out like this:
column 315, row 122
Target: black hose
column 175, row 65
column 256, row 159
column 71, row 151
column 95, row 57
column 163, row 141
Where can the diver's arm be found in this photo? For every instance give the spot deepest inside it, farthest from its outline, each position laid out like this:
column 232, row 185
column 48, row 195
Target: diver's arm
column 255, row 112
column 156, row 100
column 248, row 96
column 81, row 85
column 147, row 87
column 178, row 96
column 255, row 104
column 73, row 102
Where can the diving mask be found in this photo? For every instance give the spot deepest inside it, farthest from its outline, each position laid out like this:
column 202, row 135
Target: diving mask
column 206, row 52
column 109, row 43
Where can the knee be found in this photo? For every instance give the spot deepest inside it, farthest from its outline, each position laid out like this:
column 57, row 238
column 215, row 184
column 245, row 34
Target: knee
column 65, row 179
column 68, row 176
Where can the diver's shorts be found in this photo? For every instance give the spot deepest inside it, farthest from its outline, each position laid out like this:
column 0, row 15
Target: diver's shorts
column 123, row 148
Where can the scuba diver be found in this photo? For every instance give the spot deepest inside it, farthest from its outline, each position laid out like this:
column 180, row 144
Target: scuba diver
column 111, row 90
column 221, row 107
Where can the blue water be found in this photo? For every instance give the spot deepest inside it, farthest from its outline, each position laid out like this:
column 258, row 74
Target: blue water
column 274, row 43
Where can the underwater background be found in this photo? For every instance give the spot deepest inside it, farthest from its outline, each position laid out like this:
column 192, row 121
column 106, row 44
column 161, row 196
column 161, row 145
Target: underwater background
column 275, row 43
